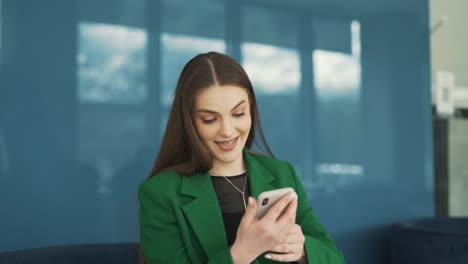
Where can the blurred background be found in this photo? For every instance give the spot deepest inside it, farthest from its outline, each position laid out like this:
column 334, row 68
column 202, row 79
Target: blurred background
column 367, row 99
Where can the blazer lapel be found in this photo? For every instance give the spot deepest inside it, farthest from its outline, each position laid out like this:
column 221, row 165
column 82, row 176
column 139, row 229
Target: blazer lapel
column 260, row 178
column 203, row 213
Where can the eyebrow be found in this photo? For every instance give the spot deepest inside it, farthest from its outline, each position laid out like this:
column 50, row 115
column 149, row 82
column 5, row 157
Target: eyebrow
column 214, row 112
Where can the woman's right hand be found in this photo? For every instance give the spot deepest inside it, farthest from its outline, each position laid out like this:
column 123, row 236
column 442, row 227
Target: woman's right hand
column 255, row 236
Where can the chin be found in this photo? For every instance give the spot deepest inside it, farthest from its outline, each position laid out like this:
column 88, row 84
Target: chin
column 229, row 157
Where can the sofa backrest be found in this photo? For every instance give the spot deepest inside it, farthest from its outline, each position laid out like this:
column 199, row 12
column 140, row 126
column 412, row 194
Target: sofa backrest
column 116, row 253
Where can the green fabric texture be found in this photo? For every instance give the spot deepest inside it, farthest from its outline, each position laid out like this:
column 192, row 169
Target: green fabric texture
column 181, row 221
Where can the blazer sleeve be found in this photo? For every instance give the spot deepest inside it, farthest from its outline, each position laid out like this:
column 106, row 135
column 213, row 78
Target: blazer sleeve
column 319, row 246
column 160, row 235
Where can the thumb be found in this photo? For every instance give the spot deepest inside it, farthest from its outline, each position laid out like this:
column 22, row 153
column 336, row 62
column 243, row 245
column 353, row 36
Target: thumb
column 250, row 212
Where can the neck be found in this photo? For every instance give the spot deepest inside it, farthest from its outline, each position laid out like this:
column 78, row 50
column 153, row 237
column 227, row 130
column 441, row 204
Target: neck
column 228, row 169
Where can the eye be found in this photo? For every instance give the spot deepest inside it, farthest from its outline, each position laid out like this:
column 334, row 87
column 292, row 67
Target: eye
column 208, row 121
column 239, row 114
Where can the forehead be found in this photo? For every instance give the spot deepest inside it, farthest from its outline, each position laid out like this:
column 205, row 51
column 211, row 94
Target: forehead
column 219, row 98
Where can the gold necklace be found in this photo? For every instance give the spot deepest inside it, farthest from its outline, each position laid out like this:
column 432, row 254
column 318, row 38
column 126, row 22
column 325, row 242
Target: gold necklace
column 237, row 189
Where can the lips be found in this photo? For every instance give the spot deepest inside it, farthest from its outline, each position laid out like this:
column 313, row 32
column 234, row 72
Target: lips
column 227, row 145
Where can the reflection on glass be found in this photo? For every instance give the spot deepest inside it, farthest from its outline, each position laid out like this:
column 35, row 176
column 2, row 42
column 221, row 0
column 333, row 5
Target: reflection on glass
column 177, row 49
column 272, row 70
column 336, row 175
column 356, row 39
column 337, row 82
column 111, row 64
column 335, row 72
column 339, row 73
column 112, row 124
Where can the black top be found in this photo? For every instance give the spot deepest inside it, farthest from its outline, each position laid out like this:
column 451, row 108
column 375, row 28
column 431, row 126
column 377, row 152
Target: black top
column 230, row 202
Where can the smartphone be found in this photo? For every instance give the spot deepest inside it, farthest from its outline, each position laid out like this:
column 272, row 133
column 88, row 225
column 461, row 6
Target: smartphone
column 269, row 198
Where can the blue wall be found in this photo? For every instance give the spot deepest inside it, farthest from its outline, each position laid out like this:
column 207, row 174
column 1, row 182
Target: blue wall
column 86, row 87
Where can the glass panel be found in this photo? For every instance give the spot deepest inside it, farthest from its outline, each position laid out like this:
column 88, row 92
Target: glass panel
column 1, row 33
column 337, row 82
column 112, row 126
column 78, row 126
column 176, row 51
column 111, row 64
column 185, row 34
column 271, row 59
column 272, row 70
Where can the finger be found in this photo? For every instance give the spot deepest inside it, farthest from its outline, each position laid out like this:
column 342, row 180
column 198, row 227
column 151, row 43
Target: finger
column 283, row 248
column 249, row 215
column 275, row 211
column 292, row 247
column 283, row 257
column 289, row 216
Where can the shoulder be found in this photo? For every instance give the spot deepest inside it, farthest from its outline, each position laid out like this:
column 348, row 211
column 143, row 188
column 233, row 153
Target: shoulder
column 269, row 162
column 281, row 170
column 162, row 184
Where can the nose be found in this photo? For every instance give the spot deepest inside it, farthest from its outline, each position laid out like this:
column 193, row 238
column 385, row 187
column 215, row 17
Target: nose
column 227, row 128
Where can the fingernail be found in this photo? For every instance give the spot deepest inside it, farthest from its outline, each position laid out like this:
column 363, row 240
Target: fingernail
column 294, row 195
column 250, row 200
column 268, row 256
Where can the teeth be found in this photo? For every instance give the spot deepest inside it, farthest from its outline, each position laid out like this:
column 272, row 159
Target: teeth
column 227, row 142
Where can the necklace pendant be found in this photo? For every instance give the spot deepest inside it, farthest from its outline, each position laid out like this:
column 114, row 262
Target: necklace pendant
column 243, row 200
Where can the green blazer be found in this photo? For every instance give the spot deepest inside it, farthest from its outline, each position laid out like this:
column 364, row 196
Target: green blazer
column 181, row 221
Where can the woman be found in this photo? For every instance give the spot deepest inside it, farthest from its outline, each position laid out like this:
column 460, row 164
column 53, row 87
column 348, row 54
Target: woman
column 197, row 205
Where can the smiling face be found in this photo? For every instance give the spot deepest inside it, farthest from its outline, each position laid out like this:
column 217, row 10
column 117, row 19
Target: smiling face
column 223, row 122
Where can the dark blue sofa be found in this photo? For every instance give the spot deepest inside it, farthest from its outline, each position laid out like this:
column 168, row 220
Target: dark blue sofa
column 430, row 241
column 115, row 253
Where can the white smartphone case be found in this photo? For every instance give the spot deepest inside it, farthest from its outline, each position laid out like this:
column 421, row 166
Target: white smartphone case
column 269, row 198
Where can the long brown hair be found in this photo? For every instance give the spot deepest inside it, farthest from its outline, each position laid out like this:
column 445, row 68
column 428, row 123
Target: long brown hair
column 182, row 150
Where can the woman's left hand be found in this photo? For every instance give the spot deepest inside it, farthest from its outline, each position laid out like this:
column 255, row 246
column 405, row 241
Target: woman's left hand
column 291, row 248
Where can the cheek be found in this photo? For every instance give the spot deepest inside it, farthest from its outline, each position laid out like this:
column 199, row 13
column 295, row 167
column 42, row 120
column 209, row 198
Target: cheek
column 245, row 125
column 204, row 131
